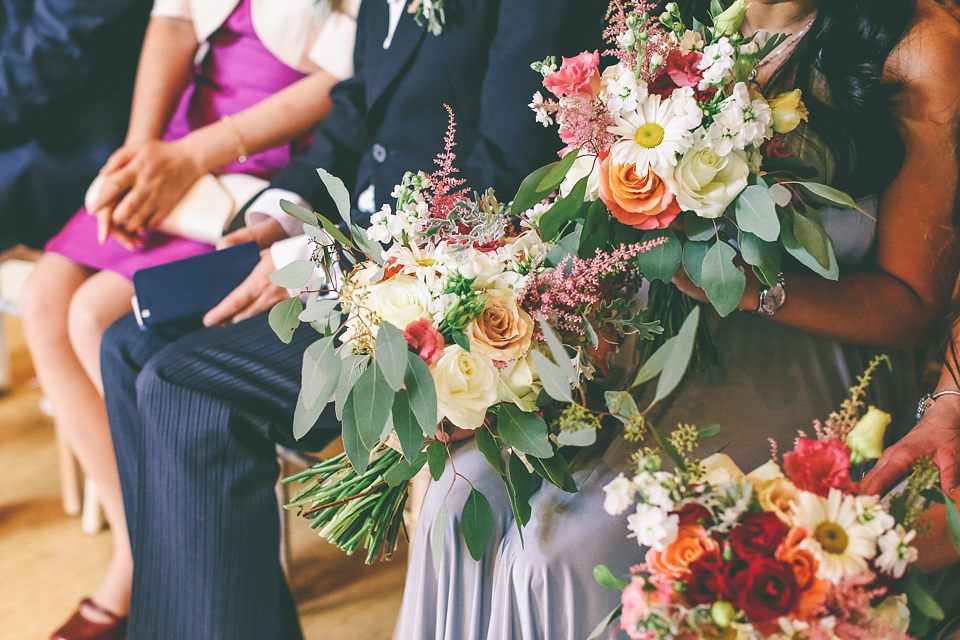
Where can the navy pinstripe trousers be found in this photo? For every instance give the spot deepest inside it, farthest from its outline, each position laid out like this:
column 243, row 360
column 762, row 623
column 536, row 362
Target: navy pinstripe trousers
column 195, row 418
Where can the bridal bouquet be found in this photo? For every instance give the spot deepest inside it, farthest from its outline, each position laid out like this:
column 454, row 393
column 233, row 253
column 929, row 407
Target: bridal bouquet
column 676, row 139
column 468, row 319
column 788, row 550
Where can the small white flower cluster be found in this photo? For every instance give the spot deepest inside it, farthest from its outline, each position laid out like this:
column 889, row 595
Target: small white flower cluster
column 412, row 213
column 654, row 492
column 743, row 122
column 717, row 62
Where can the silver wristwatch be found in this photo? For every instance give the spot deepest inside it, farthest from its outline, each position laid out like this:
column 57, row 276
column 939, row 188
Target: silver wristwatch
column 772, row 298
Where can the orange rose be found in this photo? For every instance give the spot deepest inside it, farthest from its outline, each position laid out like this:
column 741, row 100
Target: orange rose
column 810, row 589
column 644, row 202
column 674, row 561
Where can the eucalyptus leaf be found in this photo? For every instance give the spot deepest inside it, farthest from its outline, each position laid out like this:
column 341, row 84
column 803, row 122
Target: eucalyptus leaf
column 621, row 404
column 404, row 470
column 567, row 245
column 294, row 275
column 795, row 249
column 353, row 446
column 406, row 425
column 765, row 256
column 390, row 354
column 580, row 438
column 558, row 171
column 529, row 195
column 320, row 373
column 591, row 332
column 603, row 624
column 335, row 233
column 304, row 419
column 953, row 522
column 660, row 263
column 680, row 354
column 723, row 282
column 780, row 195
column 318, row 310
column 829, row 194
column 668, row 448
column 524, row 431
column 708, row 431
column 756, row 213
column 693, row 254
column 488, row 446
column 368, row 406
column 554, row 380
column 284, row 318
column 338, row 192
column 476, row 522
column 698, row 229
column 596, row 230
column 421, row 394
column 438, row 533
column 353, row 366
column 919, row 597
column 437, row 458
column 811, row 235
column 558, row 352
column 604, row 578
column 556, row 470
column 302, row 214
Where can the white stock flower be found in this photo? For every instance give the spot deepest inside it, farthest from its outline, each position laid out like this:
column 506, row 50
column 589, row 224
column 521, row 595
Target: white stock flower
column 466, row 386
column 651, row 485
column 656, row 133
column 841, row 544
column 716, row 63
column 618, row 495
column 653, row 527
column 586, row 166
column 384, row 226
column 623, row 90
column 543, row 114
column 874, row 515
column 399, row 300
column 895, row 551
column 742, row 122
column 691, row 41
column 706, row 183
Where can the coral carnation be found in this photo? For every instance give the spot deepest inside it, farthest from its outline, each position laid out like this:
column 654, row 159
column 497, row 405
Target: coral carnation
column 820, row 465
column 424, row 338
column 579, row 75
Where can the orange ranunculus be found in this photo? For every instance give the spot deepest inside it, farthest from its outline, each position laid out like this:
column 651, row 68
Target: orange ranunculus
column 674, row 561
column 641, row 201
column 810, row 589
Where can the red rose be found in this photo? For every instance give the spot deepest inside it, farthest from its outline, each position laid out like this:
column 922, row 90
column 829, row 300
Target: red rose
column 820, row 465
column 662, row 85
column 758, row 534
column 766, row 589
column 693, row 513
column 708, row 579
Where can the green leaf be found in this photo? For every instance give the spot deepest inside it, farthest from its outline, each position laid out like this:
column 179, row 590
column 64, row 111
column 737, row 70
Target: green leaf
column 621, row 404
column 591, row 332
column 603, row 624
column 693, row 254
column 828, row 194
column 422, row 393
column 284, row 318
column 339, row 193
column 919, row 597
column 318, row 310
column 795, row 249
column 368, row 406
column 476, row 522
column 596, row 230
column 780, row 195
column 304, row 419
column 765, row 256
column 563, row 211
column 368, row 246
column 520, row 487
column 354, row 366
column 357, row 453
column 603, row 577
column 529, row 195
column 404, row 470
column 490, row 449
column 406, row 425
column 461, row 340
column 554, row 381
column 558, row 352
column 334, row 232
column 698, row 229
column 953, row 522
column 668, row 448
column 756, row 213
column 723, row 282
column 320, row 375
column 655, row 363
column 525, row 432
column 556, row 470
column 708, row 431
column 302, row 214
column 660, row 263
column 567, row 245
column 390, row 354
column 680, row 354
column 437, row 458
column 438, row 533
column 579, row 438
column 558, row 171
column 811, row 235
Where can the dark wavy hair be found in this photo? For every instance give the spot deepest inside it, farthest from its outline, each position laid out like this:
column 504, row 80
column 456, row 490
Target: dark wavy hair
column 847, row 45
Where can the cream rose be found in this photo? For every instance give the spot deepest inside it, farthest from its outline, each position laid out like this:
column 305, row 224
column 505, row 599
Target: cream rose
column 520, row 384
column 466, row 386
column 502, row 331
column 779, row 496
column 399, row 300
column 788, row 110
column 707, row 183
column 719, row 469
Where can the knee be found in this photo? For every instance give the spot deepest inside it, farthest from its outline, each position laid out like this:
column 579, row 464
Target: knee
column 44, row 318
column 86, row 322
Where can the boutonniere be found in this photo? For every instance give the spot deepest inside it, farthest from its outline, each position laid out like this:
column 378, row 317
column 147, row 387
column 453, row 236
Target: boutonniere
column 429, row 11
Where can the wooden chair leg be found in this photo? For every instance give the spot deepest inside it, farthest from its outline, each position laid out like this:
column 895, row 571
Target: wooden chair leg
column 4, row 358
column 92, row 520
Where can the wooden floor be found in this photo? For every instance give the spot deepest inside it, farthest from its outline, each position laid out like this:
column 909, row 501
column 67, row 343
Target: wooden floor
column 47, row 563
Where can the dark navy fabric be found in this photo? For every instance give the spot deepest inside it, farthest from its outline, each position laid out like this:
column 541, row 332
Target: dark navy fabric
column 66, row 83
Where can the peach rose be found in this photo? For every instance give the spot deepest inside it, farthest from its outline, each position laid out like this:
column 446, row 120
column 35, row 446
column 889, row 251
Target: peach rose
column 810, row 589
column 502, row 331
column 674, row 561
column 641, row 201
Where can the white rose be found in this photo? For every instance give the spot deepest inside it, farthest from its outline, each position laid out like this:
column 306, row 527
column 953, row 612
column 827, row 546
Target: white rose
column 519, row 384
column 466, row 386
column 399, row 300
column 706, row 183
column 485, row 266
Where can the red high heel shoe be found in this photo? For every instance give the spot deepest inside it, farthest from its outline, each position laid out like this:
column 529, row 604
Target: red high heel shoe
column 79, row 627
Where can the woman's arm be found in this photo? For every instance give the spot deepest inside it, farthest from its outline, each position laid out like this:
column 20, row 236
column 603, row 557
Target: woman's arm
column 900, row 301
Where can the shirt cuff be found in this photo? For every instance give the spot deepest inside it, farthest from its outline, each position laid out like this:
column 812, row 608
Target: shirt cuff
column 267, row 205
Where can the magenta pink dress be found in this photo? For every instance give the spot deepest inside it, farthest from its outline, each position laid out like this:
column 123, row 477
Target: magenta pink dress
column 237, row 73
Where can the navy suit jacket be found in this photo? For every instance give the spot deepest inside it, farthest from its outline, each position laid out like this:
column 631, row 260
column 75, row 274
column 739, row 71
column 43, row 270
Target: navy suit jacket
column 390, row 117
column 66, row 80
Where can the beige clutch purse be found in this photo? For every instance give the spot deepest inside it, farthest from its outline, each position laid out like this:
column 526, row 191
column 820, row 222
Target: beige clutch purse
column 207, row 208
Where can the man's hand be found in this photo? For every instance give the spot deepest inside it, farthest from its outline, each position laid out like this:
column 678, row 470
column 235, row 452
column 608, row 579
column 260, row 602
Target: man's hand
column 255, row 295
column 937, row 435
column 264, row 233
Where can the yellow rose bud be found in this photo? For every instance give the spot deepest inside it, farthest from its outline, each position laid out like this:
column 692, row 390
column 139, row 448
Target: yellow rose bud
column 728, row 22
column 866, row 438
column 787, row 110
column 720, row 468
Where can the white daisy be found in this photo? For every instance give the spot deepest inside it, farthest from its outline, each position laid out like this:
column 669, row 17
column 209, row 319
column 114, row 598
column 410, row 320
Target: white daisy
column 895, row 551
column 656, row 133
column 840, row 542
column 428, row 263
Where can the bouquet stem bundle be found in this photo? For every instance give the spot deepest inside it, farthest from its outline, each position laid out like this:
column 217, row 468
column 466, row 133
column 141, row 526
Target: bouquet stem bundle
column 349, row 508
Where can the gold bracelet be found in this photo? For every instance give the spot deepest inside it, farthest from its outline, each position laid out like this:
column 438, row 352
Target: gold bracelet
column 238, row 137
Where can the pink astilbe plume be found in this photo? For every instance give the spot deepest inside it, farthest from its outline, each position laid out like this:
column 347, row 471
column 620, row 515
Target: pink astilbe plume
column 584, row 124
column 849, row 603
column 443, row 194
column 562, row 297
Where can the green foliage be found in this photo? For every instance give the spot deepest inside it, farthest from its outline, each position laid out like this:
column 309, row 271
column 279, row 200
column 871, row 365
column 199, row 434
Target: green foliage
column 476, row 522
column 526, row 432
column 284, row 318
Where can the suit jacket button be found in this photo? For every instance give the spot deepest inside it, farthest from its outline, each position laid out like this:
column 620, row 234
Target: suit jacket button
column 379, row 153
